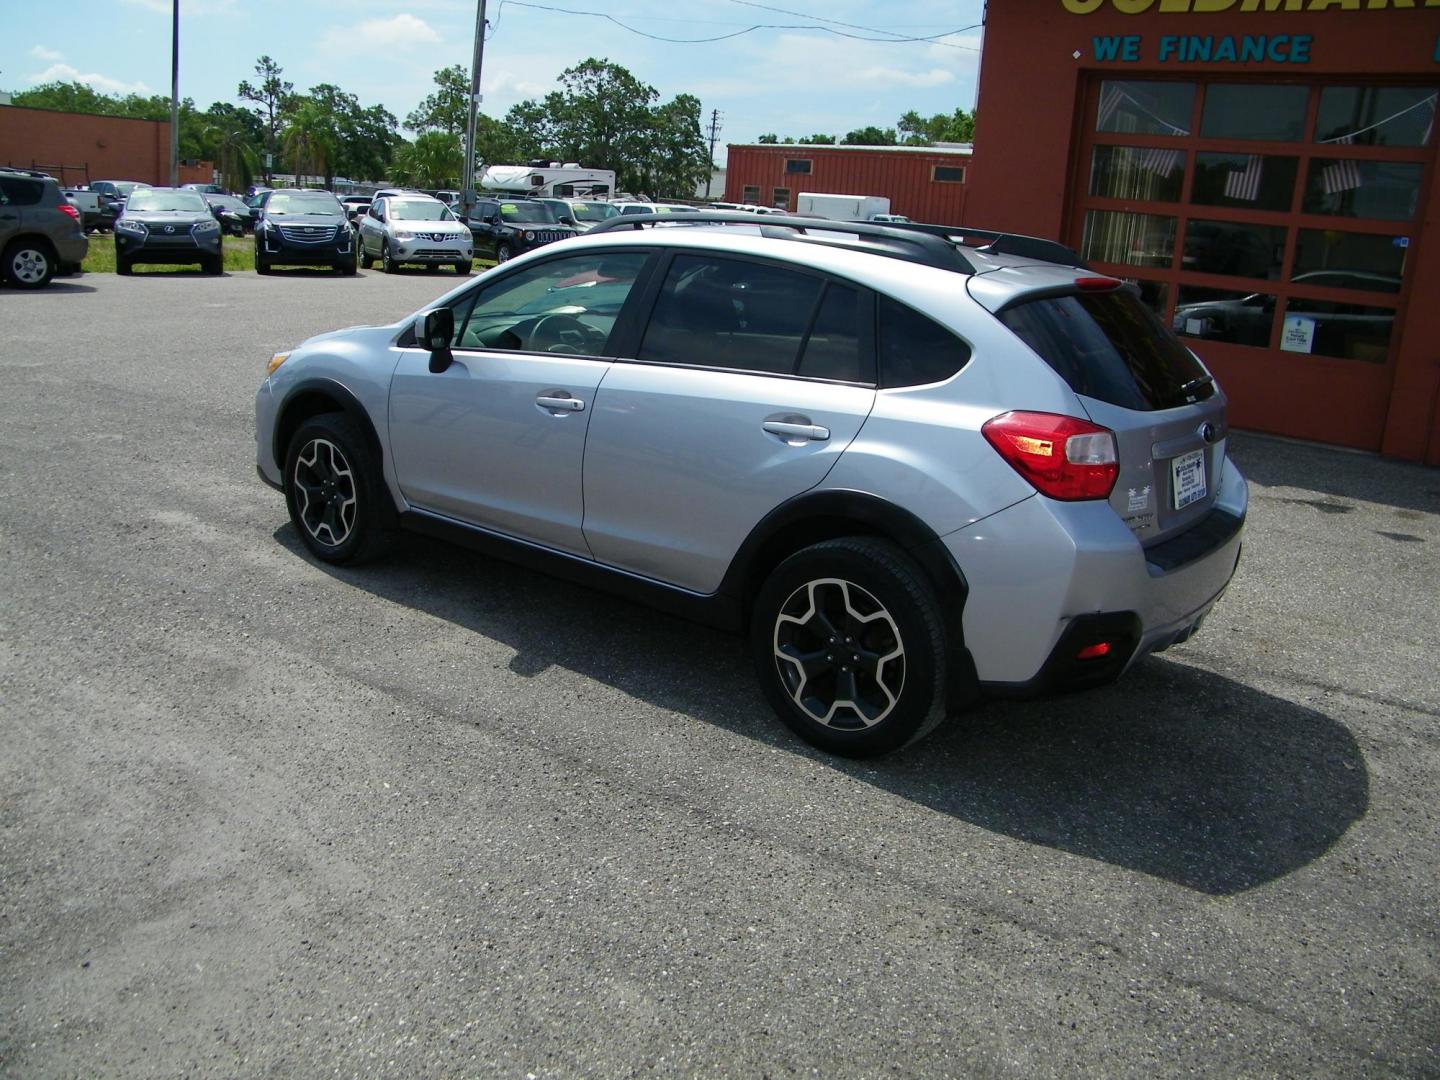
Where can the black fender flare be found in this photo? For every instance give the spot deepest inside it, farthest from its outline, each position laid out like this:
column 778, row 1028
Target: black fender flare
column 307, row 395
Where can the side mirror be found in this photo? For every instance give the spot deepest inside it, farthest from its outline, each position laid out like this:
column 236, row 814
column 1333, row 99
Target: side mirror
column 437, row 330
column 566, row 219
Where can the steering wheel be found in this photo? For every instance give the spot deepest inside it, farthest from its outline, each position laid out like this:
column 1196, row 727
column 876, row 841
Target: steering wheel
column 564, row 333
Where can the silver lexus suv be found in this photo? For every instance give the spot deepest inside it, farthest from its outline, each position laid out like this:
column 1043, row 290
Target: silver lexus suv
column 914, row 464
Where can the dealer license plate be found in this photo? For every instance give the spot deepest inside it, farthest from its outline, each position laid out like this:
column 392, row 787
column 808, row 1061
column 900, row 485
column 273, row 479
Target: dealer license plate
column 1187, row 475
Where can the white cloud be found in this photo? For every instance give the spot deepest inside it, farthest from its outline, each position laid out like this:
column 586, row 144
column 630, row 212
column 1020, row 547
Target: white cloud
column 888, row 76
column 66, row 73
column 40, row 52
column 403, row 31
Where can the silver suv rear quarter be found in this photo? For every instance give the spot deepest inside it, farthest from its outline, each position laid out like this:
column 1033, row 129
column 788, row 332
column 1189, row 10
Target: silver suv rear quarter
column 657, row 446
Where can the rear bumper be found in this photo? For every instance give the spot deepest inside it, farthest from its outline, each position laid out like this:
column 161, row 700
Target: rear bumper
column 1048, row 578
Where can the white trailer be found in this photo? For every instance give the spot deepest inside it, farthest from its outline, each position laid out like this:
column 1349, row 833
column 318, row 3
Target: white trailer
column 551, row 180
column 841, row 207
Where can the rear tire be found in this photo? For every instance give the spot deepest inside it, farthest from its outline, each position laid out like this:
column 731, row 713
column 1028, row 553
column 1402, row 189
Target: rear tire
column 849, row 647
column 335, row 491
column 28, row 264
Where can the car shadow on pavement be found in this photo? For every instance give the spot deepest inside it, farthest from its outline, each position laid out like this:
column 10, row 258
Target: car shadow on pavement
column 1175, row 772
column 1339, row 477
column 56, row 285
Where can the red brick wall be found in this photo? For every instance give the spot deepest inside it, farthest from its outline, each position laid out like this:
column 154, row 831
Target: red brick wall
column 91, row 147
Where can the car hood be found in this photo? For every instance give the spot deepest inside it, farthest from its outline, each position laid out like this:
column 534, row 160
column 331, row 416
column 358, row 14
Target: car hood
column 453, row 228
column 306, row 219
column 362, row 333
column 162, row 218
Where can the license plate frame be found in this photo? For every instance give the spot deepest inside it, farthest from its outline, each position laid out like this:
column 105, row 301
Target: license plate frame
column 1187, row 479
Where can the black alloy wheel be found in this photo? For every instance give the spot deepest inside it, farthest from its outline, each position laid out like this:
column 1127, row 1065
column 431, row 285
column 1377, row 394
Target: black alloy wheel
column 849, row 646
column 335, row 492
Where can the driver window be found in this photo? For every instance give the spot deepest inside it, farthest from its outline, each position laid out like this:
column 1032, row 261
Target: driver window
column 567, row 305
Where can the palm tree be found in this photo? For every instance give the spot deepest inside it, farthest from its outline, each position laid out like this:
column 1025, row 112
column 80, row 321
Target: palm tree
column 310, row 142
column 433, row 160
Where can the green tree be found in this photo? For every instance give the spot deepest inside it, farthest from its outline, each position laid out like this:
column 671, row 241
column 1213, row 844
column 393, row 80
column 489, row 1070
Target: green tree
column 871, row 136
column 70, row 97
column 917, row 130
column 433, row 160
column 270, row 95
column 311, row 142
column 817, row 140
column 448, row 108
column 364, row 138
column 679, row 157
column 768, row 138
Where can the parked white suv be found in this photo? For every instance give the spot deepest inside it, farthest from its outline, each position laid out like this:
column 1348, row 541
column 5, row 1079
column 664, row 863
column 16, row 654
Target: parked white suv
column 405, row 228
column 911, row 469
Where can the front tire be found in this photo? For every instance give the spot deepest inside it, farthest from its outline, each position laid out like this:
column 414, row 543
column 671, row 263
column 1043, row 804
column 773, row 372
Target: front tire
column 27, row 264
column 849, row 647
column 387, row 264
column 262, row 265
column 335, row 491
column 123, row 266
column 213, row 264
column 463, row 269
column 346, row 267
column 366, row 261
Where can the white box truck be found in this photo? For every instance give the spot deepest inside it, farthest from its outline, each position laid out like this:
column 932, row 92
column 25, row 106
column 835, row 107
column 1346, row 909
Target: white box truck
column 841, row 207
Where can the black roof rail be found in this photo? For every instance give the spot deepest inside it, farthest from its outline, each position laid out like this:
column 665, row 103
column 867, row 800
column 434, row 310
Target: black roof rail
column 999, row 243
column 918, row 246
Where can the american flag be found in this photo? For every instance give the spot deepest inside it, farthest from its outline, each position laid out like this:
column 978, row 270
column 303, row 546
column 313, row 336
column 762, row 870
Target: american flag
column 1340, row 176
column 1111, row 94
column 1160, row 162
column 1245, row 183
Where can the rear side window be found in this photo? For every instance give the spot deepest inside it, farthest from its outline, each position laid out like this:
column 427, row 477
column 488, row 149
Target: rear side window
column 1110, row 346
column 725, row 313
column 915, row 350
column 20, row 191
column 832, row 351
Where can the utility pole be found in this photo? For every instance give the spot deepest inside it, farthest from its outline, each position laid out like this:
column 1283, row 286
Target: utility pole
column 175, row 95
column 467, row 173
column 714, row 134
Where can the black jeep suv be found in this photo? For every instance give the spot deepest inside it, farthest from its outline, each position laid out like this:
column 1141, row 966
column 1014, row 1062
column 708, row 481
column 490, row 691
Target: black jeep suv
column 503, row 228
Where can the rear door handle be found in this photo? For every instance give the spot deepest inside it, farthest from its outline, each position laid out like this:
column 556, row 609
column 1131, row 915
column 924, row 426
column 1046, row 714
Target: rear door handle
column 565, row 404
column 813, row 432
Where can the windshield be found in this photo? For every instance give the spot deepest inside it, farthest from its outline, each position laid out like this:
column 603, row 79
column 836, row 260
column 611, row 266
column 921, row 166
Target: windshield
column 415, row 210
column 125, row 187
column 592, row 211
column 310, row 202
column 527, row 211
column 159, row 199
column 226, row 202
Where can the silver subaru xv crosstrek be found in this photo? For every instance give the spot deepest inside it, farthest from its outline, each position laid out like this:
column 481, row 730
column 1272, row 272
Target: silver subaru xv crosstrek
column 914, row 464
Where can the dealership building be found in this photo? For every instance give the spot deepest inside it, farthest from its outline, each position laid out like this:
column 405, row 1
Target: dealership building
column 1263, row 170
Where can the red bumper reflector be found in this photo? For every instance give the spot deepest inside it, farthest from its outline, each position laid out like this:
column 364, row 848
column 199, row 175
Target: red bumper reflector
column 1094, row 652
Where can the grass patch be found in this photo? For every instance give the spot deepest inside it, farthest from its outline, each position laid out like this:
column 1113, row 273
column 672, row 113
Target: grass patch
column 238, row 252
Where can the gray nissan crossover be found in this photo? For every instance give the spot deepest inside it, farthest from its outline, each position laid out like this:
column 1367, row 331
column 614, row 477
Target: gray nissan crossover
column 914, row 464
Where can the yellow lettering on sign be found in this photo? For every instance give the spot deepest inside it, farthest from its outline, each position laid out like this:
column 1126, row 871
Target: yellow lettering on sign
column 1214, row 5
column 1174, row 5
column 1081, row 7
column 1133, row 7
column 1272, row 5
column 1348, row 5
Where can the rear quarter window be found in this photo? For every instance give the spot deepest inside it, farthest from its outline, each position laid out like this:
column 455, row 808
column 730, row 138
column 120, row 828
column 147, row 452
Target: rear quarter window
column 20, row 191
column 1111, row 347
column 915, row 350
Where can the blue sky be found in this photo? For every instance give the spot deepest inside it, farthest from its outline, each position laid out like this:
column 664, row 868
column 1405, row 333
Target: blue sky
column 790, row 81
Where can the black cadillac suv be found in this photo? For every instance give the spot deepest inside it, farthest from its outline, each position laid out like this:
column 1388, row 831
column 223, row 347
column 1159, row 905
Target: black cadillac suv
column 304, row 228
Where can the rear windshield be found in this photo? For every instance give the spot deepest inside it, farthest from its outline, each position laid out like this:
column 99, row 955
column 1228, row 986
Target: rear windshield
column 1111, row 347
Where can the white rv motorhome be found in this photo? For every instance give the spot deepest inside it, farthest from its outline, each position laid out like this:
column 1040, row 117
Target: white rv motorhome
column 567, row 181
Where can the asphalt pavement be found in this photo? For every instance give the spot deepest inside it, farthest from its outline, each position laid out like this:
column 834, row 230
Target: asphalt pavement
column 445, row 817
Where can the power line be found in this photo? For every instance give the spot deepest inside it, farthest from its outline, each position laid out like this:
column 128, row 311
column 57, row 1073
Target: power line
column 869, row 29
column 747, row 30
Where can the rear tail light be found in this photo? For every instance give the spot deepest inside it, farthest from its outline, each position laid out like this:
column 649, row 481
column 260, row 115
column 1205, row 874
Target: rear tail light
column 70, row 210
column 1063, row 457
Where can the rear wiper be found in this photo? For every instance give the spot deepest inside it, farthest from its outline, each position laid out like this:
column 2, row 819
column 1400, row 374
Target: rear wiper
column 1187, row 390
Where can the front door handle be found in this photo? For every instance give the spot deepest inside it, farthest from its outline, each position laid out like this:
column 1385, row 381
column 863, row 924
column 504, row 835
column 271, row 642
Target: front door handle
column 813, row 432
column 564, row 404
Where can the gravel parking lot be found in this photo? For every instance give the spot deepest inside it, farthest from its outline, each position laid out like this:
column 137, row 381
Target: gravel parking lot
column 444, row 817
